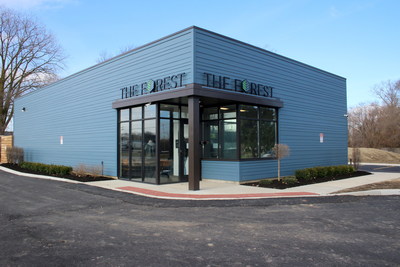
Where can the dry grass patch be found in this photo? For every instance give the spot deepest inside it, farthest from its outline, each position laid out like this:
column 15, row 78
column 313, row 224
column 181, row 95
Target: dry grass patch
column 391, row 184
column 373, row 155
column 86, row 170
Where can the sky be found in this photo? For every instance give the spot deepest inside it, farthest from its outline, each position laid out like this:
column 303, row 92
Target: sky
column 355, row 39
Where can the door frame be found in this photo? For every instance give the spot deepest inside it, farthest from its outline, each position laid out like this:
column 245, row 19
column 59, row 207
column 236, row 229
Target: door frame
column 183, row 150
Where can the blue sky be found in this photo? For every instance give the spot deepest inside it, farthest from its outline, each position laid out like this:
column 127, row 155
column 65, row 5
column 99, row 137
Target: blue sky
column 356, row 39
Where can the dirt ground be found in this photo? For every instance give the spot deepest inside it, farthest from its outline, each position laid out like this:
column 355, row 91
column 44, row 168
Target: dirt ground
column 373, row 155
column 391, row 184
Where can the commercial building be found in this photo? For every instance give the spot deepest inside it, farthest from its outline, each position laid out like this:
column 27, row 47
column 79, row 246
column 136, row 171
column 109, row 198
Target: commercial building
column 194, row 104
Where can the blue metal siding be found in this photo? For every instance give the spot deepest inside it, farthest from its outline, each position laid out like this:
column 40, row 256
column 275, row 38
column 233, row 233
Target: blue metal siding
column 220, row 170
column 314, row 102
column 258, row 169
column 79, row 107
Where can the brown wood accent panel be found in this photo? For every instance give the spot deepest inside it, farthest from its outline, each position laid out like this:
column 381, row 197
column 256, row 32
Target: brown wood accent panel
column 5, row 141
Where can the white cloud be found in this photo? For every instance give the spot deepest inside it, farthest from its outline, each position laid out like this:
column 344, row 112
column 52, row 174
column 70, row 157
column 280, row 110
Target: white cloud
column 41, row 4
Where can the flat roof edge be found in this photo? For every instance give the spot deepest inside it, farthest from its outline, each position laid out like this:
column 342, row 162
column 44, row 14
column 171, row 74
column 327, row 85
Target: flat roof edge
column 110, row 59
column 172, row 35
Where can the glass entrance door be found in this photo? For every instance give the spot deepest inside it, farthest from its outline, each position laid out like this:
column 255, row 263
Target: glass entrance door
column 184, row 150
column 153, row 143
column 174, row 134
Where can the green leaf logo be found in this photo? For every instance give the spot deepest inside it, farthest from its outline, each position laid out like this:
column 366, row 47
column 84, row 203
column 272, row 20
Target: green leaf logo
column 150, row 86
column 245, row 86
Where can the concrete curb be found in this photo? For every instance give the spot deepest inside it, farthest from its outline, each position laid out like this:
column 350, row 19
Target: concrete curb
column 208, row 196
column 380, row 164
column 376, row 192
column 169, row 195
column 37, row 176
column 226, row 196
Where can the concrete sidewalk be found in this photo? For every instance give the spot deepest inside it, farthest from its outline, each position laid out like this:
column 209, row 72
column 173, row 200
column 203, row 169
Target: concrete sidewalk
column 328, row 188
column 228, row 190
column 210, row 189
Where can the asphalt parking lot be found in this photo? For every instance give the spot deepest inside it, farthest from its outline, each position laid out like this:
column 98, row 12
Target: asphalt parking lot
column 380, row 168
column 51, row 223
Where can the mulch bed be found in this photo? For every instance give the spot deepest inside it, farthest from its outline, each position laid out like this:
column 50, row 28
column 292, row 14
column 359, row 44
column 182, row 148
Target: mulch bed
column 279, row 185
column 86, row 178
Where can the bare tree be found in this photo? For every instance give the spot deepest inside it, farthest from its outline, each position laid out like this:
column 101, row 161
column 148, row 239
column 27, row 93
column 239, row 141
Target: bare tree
column 377, row 125
column 389, row 123
column 389, row 93
column 280, row 151
column 104, row 55
column 356, row 158
column 363, row 126
column 29, row 58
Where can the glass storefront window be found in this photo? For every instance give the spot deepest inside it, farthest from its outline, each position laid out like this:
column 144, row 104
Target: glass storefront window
column 257, row 132
column 267, row 113
column 184, row 112
column 138, row 144
column 124, row 114
column 247, row 111
column 138, row 138
column 248, row 138
column 124, row 149
column 136, row 150
column 136, row 113
column 210, row 135
column 228, row 139
column 150, row 111
column 228, row 112
column 166, row 152
column 169, row 111
column 149, row 151
column 210, row 113
column 169, row 151
column 267, row 138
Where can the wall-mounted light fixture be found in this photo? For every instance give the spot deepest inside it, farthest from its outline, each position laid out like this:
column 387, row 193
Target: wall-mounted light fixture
column 23, row 109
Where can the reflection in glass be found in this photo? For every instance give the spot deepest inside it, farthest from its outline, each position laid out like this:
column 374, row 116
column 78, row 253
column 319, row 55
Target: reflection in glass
column 247, row 111
column 168, row 168
column 185, row 148
column 210, row 135
column 150, row 151
column 136, row 113
column 248, row 139
column 228, row 139
column 267, row 138
column 136, row 148
column 267, row 113
column 149, row 111
column 124, row 149
column 257, row 131
column 184, row 112
column 169, row 111
column 124, row 114
column 176, row 147
column 210, row 113
column 228, row 111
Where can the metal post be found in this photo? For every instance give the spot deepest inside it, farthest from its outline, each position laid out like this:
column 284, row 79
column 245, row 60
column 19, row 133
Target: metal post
column 194, row 143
